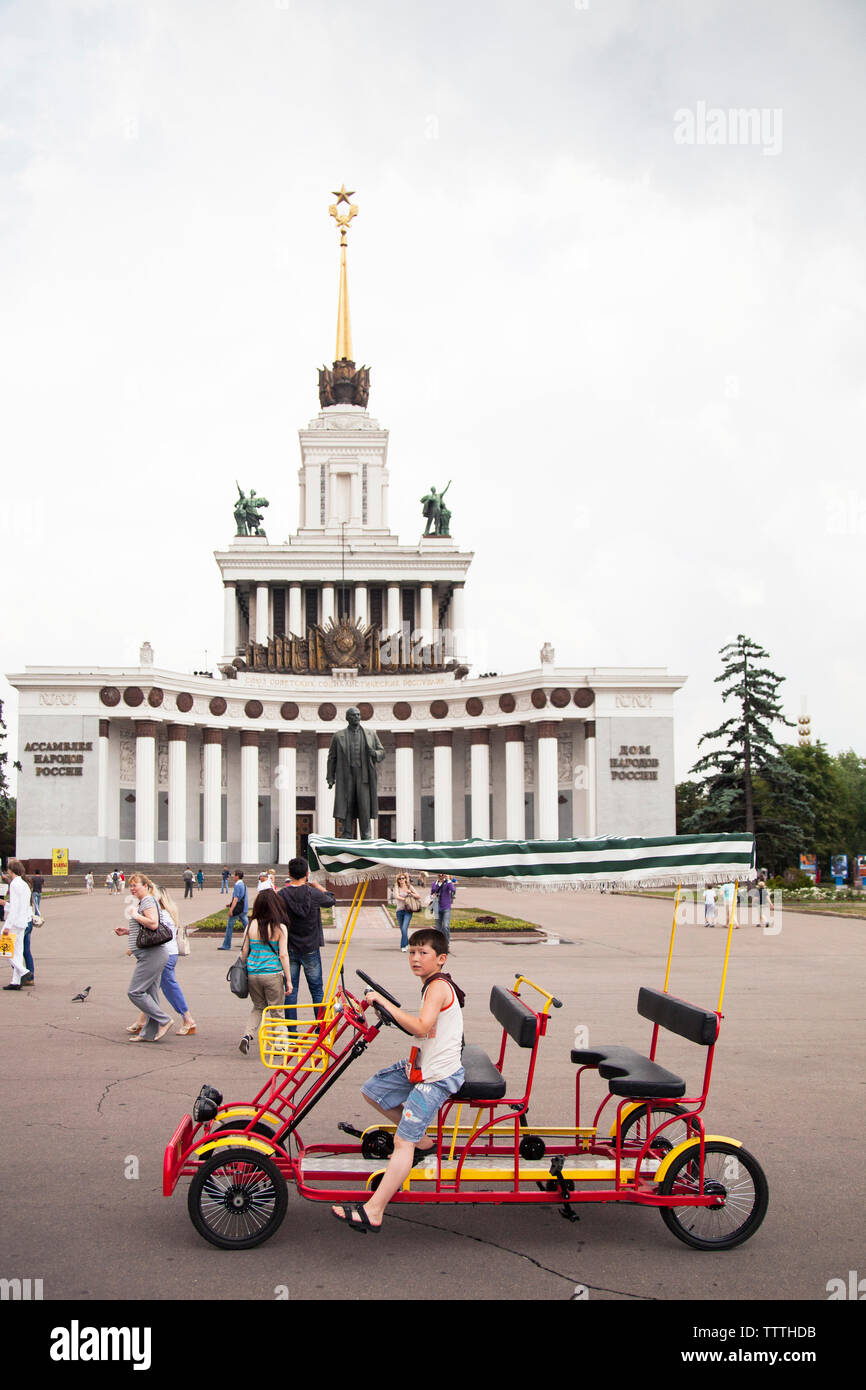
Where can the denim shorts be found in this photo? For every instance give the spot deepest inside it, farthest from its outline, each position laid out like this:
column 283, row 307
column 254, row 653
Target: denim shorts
column 421, row 1100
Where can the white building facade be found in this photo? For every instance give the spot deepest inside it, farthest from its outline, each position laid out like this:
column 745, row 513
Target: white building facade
column 149, row 766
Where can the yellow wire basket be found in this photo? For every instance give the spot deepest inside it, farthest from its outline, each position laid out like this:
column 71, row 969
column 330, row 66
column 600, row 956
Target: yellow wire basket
column 289, row 1032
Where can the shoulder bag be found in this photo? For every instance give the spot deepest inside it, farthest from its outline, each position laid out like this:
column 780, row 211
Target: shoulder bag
column 153, row 936
column 237, row 976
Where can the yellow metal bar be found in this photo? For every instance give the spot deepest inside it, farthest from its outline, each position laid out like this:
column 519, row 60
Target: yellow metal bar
column 525, row 980
column 728, row 947
column 345, row 938
column 673, row 934
column 455, row 1133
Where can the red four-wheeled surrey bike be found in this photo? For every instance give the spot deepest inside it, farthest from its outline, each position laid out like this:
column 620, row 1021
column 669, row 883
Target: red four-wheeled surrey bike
column 645, row 1145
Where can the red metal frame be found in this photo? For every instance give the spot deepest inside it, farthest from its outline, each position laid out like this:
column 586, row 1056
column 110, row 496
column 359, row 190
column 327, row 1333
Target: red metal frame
column 290, row 1094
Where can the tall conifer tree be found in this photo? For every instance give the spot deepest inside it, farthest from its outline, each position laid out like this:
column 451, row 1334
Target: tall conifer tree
column 750, row 749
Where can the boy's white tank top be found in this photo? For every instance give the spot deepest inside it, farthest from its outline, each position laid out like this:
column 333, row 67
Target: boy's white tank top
column 438, row 1055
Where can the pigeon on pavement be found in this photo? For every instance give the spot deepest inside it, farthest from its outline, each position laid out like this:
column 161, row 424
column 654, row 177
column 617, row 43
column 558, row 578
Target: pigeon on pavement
column 81, row 998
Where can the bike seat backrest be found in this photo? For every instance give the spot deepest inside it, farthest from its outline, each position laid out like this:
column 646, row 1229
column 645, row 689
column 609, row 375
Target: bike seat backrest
column 696, row 1024
column 519, row 1022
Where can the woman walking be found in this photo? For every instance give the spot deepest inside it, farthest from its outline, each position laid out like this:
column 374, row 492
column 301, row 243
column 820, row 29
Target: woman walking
column 265, row 951
column 150, row 961
column 407, row 902
column 168, row 915
column 19, row 919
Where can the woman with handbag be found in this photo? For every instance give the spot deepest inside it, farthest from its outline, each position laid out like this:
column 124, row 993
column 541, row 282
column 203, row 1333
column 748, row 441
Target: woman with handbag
column 19, row 920
column 265, row 953
column 148, row 943
column 168, row 915
column 407, row 902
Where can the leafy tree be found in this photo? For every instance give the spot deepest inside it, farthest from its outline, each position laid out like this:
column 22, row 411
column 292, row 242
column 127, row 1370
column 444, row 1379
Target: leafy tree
column 827, row 793
column 689, row 799
column 7, row 802
column 851, row 780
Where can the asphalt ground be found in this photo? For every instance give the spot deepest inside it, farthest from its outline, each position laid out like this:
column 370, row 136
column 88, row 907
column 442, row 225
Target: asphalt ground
column 86, row 1116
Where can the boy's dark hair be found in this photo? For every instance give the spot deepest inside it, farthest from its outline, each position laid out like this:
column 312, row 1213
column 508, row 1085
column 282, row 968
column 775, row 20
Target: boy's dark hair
column 429, row 936
column 239, row 873
column 297, row 868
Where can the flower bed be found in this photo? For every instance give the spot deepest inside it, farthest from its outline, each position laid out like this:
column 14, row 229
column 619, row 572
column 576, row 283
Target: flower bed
column 470, row 920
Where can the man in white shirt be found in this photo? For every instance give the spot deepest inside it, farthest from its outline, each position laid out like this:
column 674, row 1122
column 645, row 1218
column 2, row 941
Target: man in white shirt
column 709, row 907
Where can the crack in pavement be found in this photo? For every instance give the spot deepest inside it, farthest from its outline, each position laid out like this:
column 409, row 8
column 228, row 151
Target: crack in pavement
column 508, row 1250
column 172, row 1066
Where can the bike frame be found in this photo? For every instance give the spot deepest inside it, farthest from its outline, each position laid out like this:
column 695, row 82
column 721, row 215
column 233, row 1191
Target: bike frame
column 487, row 1151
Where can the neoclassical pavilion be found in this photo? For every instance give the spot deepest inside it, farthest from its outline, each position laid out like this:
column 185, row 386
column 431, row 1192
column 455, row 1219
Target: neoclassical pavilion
column 149, row 766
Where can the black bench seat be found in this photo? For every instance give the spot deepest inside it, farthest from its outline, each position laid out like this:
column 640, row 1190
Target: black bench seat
column 629, row 1073
column 483, row 1081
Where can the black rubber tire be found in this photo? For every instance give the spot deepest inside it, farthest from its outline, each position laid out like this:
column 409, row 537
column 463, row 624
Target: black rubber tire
column 746, row 1196
column 245, row 1177
column 634, row 1126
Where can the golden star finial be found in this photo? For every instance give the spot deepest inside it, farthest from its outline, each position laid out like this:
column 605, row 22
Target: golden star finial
column 343, row 219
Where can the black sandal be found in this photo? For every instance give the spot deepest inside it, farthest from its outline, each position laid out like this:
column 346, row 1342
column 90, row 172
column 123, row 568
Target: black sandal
column 355, row 1217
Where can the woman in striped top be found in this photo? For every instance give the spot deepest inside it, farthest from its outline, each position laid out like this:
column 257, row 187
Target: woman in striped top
column 265, row 952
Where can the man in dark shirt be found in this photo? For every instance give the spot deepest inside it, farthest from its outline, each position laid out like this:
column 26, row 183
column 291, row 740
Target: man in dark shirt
column 304, row 902
column 38, row 885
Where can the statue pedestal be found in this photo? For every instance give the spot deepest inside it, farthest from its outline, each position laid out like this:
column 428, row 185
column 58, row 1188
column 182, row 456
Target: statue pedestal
column 377, row 891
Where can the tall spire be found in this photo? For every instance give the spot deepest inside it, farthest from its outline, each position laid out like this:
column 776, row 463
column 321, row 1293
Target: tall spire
column 344, row 324
column 343, row 385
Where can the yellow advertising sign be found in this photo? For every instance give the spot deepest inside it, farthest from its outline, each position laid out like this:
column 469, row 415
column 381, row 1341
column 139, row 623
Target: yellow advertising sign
column 60, row 863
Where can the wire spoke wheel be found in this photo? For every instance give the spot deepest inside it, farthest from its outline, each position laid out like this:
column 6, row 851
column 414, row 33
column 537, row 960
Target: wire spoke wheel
column 731, row 1174
column 635, row 1128
column 237, row 1199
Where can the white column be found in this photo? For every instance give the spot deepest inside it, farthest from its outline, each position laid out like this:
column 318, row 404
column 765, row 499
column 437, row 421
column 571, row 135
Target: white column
column 287, row 781
column 458, row 622
column 262, row 624
column 591, row 777
column 547, row 782
column 393, row 608
column 480, row 783
column 425, row 617
column 442, row 786
column 361, row 604
column 212, row 851
column 515, row 815
column 249, row 796
column 145, row 791
column 324, row 793
column 102, row 785
column 295, row 618
column 327, row 604
column 355, row 518
column 405, row 786
column 177, row 850
column 230, row 622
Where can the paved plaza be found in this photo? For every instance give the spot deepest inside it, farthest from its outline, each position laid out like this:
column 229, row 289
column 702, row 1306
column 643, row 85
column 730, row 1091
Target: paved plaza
column 84, row 1108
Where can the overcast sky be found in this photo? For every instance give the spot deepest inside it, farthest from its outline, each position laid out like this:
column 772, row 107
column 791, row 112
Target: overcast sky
column 640, row 355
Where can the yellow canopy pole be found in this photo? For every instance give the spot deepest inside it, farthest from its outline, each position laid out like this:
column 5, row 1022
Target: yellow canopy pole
column 673, row 934
column 351, row 923
column 348, row 929
column 728, row 947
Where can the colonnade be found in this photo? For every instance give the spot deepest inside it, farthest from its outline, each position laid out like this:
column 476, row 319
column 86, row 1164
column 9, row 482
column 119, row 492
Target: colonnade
column 213, row 740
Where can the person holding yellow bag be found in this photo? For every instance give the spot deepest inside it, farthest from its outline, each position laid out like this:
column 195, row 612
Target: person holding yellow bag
column 19, row 917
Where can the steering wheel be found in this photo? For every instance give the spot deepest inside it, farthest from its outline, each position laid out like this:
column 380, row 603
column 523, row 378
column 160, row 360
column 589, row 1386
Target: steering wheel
column 385, row 1014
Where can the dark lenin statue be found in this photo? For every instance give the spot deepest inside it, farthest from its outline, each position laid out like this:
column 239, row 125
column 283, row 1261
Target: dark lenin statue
column 352, row 760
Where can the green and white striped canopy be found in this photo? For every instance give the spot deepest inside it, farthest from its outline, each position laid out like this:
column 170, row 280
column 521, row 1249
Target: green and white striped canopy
column 603, row 862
